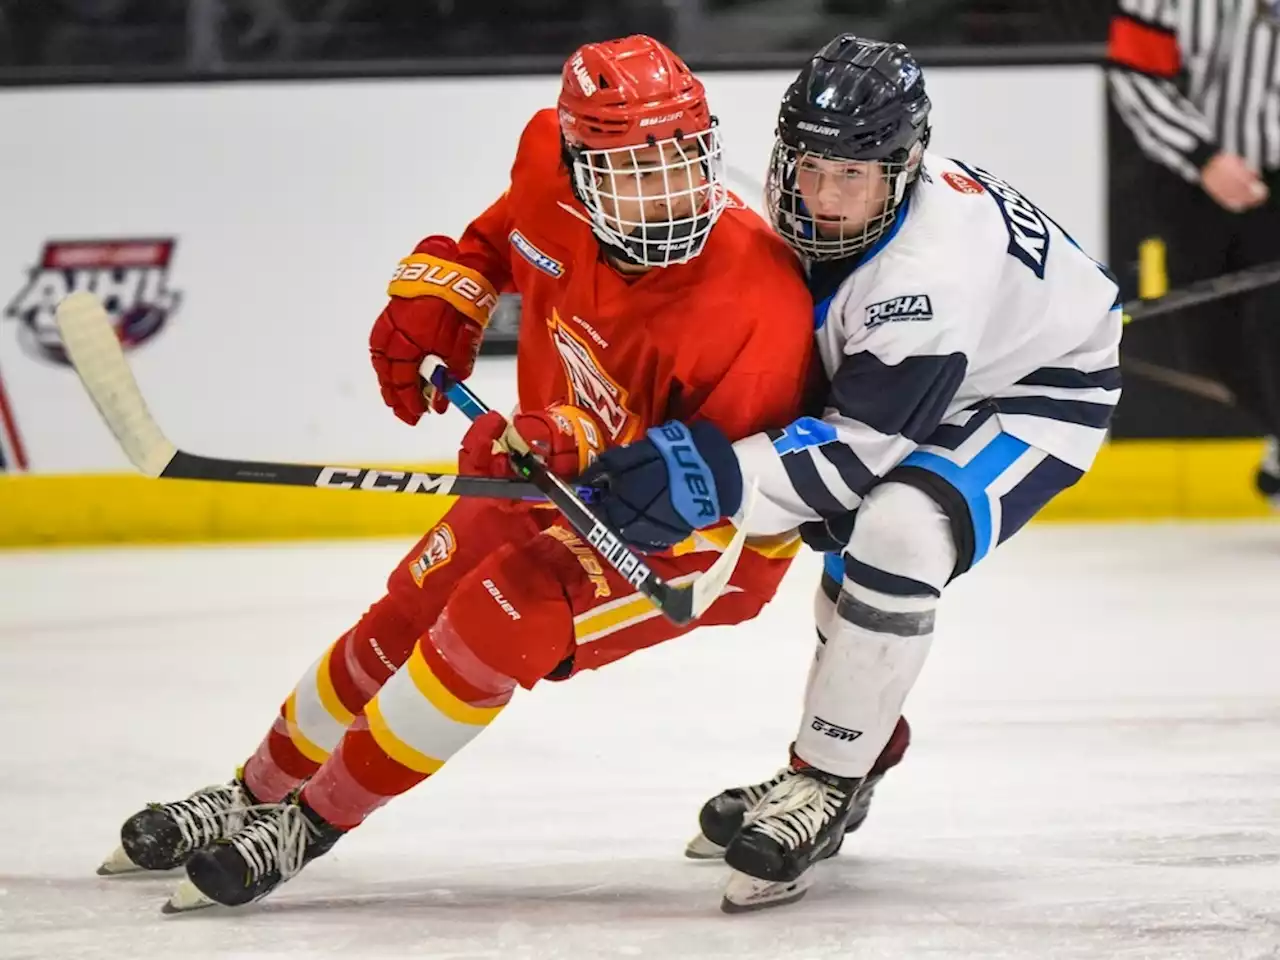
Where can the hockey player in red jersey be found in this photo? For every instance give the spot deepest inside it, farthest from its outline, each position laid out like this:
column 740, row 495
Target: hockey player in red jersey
column 649, row 294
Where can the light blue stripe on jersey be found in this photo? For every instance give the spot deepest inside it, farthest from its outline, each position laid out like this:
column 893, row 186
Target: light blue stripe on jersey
column 833, row 566
column 804, row 433
column 869, row 254
column 973, row 479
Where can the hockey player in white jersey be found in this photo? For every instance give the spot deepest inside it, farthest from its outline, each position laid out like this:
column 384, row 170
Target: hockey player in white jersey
column 972, row 353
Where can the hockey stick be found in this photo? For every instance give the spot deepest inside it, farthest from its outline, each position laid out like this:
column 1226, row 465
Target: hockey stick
column 1204, row 291
column 1192, row 383
column 96, row 354
column 97, row 357
column 1215, row 288
column 679, row 604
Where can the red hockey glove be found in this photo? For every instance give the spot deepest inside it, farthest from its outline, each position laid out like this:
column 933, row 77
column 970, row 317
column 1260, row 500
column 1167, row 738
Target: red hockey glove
column 440, row 304
column 567, row 439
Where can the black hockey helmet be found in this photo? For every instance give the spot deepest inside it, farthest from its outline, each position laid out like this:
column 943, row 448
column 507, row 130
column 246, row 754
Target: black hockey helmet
column 855, row 101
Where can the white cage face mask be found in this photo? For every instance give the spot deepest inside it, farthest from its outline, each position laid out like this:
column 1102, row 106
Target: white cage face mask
column 830, row 209
column 656, row 204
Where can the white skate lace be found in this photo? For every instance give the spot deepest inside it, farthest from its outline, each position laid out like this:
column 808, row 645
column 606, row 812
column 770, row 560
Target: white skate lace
column 277, row 839
column 794, row 812
column 758, row 791
column 209, row 814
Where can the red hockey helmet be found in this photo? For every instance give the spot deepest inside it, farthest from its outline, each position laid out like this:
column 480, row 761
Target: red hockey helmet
column 635, row 125
column 628, row 92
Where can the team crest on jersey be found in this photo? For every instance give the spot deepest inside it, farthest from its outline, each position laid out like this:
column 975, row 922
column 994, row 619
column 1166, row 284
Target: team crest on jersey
column 131, row 277
column 439, row 550
column 547, row 264
column 914, row 306
column 591, row 388
column 961, row 184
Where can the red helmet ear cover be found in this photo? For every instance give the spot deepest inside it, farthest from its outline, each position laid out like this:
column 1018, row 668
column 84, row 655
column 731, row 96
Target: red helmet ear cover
column 629, row 92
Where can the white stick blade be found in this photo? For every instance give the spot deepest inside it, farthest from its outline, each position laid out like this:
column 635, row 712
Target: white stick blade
column 94, row 349
column 708, row 587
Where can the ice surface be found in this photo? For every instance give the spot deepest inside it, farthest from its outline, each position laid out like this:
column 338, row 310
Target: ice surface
column 1096, row 768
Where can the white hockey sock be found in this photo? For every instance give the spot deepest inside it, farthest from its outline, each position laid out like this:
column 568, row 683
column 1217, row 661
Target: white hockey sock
column 879, row 630
column 824, row 617
column 873, row 655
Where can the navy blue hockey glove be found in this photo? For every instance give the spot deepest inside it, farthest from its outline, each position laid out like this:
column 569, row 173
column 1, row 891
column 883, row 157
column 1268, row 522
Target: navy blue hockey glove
column 657, row 491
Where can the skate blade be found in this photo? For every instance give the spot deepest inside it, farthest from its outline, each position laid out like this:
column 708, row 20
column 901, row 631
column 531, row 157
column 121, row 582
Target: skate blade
column 700, row 848
column 186, row 897
column 744, row 893
column 118, row 863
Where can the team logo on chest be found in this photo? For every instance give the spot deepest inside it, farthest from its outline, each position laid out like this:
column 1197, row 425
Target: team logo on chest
column 592, row 388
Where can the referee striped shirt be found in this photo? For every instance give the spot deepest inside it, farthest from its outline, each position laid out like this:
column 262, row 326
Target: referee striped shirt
column 1193, row 77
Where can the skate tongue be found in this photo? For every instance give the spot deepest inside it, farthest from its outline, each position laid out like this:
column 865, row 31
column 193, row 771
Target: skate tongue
column 798, row 764
column 789, row 795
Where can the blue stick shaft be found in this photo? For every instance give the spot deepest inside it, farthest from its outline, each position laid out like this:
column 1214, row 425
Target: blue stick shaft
column 460, row 396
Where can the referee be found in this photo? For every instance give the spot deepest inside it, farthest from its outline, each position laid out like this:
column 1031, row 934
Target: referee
column 1197, row 83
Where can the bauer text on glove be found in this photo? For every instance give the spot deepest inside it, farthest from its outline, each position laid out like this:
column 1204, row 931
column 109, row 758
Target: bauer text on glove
column 678, row 479
column 440, row 304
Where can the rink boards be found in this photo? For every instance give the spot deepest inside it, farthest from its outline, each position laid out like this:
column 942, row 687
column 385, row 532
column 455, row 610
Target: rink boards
column 244, row 234
column 1137, row 480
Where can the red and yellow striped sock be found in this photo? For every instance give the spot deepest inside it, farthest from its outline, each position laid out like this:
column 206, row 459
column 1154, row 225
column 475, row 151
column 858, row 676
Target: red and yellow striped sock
column 326, row 700
column 420, row 718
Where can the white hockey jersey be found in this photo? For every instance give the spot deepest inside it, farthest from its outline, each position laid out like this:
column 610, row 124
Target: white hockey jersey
column 974, row 296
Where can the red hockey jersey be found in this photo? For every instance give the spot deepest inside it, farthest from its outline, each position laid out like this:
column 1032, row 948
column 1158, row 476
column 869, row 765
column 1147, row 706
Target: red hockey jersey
column 726, row 337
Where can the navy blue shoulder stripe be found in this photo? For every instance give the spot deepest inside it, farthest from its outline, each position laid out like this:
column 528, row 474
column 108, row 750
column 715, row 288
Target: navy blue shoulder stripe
column 1108, row 379
column 1080, row 412
column 908, row 398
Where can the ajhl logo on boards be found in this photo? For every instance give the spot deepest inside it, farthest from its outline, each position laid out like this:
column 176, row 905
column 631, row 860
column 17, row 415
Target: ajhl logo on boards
column 129, row 275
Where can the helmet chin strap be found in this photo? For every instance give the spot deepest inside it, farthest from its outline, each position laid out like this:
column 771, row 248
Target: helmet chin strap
column 900, row 186
column 654, row 242
column 908, row 172
column 649, row 245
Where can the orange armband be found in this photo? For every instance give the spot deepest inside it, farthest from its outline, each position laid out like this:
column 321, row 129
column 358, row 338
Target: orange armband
column 467, row 290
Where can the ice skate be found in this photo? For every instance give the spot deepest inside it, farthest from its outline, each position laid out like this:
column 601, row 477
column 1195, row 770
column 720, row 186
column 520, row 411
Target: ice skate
column 163, row 835
column 799, row 822
column 721, row 817
column 250, row 863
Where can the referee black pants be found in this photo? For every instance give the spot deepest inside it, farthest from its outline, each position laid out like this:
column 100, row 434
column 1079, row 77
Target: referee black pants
column 1237, row 340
